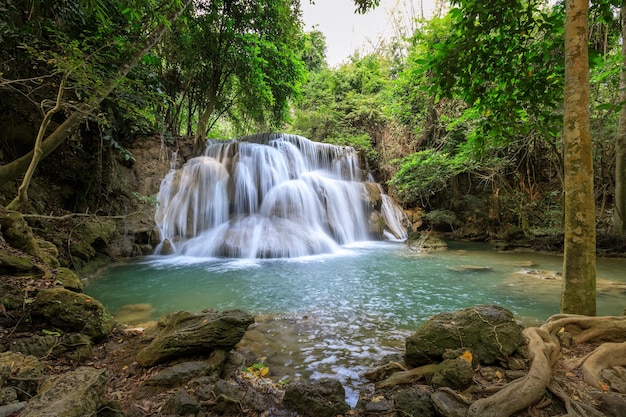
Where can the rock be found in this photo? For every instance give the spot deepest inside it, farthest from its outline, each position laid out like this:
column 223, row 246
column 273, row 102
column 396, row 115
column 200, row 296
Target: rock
column 134, row 313
column 69, row 279
column 184, row 334
column 323, row 398
column 75, row 394
column 8, row 395
column 610, row 403
column 180, row 403
column 73, row 312
column 454, row 373
column 488, row 330
column 19, row 235
column 616, row 378
column 447, row 405
column 413, row 402
column 90, row 237
column 10, row 264
column 36, row 345
column 11, row 409
column 376, row 224
column 425, row 242
column 76, row 347
column 469, row 268
column 27, row 369
column 174, row 377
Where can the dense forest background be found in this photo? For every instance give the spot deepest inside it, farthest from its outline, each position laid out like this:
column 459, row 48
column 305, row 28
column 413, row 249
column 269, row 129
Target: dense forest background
column 461, row 118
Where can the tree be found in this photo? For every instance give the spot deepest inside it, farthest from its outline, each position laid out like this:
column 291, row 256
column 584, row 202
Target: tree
column 95, row 95
column 578, row 295
column 619, row 215
column 237, row 54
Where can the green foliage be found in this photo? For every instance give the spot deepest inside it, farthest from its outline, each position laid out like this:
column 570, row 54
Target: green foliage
column 427, row 172
column 362, row 143
column 505, row 61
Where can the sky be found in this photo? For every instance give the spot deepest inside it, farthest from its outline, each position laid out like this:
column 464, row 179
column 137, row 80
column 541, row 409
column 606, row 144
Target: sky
column 347, row 31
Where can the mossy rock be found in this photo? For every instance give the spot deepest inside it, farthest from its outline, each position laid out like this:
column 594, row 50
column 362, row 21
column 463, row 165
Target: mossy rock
column 11, row 264
column 185, row 334
column 69, row 279
column 90, row 237
column 374, row 195
column 18, row 234
column 322, row 398
column 488, row 330
column 73, row 312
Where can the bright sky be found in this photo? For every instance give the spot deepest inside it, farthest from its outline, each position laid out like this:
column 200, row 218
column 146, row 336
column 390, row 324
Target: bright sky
column 347, row 31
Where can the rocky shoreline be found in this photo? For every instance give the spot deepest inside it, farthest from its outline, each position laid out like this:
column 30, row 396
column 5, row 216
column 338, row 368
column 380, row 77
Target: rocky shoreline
column 62, row 354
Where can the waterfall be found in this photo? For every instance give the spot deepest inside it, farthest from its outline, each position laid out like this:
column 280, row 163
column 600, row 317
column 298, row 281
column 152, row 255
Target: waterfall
column 268, row 196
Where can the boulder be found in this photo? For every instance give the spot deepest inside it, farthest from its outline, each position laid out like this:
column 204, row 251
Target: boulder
column 75, row 394
column 453, row 373
column 414, row 402
column 180, row 403
column 489, row 331
column 10, row 264
column 425, row 242
column 25, row 369
column 73, row 312
column 323, row 398
column 69, row 279
column 183, row 334
column 90, row 237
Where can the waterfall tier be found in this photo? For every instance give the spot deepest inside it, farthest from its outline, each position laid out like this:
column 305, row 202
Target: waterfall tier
column 270, row 196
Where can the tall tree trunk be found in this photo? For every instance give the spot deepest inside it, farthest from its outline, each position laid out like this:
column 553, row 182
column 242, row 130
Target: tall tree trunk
column 17, row 167
column 619, row 214
column 578, row 294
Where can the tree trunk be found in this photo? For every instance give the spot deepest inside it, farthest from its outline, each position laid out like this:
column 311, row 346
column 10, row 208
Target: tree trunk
column 619, row 214
column 578, row 294
column 17, row 167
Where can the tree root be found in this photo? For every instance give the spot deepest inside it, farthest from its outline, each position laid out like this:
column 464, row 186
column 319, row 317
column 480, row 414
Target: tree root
column 544, row 351
column 525, row 391
column 406, row 377
column 585, row 328
column 574, row 408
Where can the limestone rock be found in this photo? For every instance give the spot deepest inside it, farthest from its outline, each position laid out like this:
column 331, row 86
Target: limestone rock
column 184, row 334
column 90, row 237
column 454, row 373
column 75, row 394
column 73, row 312
column 180, row 403
column 488, row 330
column 323, row 398
column 24, row 367
column 15, row 264
column 414, row 402
column 69, row 279
column 425, row 242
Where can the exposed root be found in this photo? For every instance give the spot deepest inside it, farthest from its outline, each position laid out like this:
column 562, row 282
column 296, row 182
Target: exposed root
column 525, row 391
column 574, row 408
column 605, row 356
column 406, row 377
column 585, row 328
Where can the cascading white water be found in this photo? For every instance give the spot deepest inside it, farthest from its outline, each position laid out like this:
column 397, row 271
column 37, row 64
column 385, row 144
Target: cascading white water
column 268, row 196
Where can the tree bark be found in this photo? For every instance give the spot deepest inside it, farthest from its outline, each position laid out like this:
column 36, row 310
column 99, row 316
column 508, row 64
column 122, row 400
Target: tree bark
column 578, row 294
column 17, row 167
column 619, row 213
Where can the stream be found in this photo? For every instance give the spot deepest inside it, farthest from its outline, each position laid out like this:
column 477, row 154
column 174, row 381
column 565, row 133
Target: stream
column 334, row 315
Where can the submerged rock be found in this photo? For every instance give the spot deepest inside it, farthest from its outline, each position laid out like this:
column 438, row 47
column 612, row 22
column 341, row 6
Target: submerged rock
column 488, row 330
column 323, row 398
column 184, row 334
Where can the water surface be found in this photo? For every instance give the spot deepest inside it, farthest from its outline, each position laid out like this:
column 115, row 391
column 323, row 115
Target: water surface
column 333, row 315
